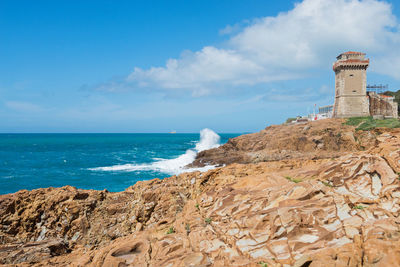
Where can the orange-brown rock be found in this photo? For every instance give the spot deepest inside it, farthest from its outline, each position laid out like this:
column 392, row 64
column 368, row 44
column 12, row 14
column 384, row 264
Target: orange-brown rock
column 313, row 140
column 341, row 211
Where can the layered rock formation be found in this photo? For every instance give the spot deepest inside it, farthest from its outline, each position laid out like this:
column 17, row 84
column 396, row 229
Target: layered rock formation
column 314, row 140
column 326, row 211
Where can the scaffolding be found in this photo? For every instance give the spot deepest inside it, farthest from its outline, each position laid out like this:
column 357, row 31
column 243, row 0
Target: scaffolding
column 377, row 89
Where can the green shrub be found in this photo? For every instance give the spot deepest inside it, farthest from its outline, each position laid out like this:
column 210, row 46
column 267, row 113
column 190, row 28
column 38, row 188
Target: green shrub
column 355, row 121
column 171, row 230
column 289, row 120
column 327, row 184
column 294, row 180
column 368, row 123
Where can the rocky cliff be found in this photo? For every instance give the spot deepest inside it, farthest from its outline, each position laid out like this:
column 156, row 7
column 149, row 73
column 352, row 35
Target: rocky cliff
column 338, row 205
column 314, row 140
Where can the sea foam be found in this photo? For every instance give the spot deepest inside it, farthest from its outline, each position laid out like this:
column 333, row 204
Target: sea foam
column 208, row 139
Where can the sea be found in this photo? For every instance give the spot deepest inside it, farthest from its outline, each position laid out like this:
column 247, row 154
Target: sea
column 98, row 161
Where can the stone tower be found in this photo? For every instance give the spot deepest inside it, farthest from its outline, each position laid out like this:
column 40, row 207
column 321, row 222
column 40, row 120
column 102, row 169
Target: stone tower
column 350, row 85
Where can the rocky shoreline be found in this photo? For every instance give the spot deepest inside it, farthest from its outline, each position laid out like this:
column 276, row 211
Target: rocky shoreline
column 322, row 139
column 317, row 194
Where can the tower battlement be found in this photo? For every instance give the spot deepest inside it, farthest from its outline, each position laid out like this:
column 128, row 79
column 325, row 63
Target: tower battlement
column 351, row 60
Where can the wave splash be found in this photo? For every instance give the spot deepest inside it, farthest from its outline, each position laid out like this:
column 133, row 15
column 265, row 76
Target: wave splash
column 208, row 139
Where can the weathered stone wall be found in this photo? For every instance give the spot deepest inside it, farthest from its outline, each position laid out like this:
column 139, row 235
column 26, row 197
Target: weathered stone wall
column 380, row 105
column 352, row 106
column 395, row 107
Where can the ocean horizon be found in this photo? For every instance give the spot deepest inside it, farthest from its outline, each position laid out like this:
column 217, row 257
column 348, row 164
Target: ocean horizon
column 112, row 161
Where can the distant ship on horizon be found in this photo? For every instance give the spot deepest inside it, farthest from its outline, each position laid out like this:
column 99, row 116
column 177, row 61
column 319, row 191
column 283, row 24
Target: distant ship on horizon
column 172, row 132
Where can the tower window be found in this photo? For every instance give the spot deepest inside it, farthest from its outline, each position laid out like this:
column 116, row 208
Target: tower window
column 351, row 75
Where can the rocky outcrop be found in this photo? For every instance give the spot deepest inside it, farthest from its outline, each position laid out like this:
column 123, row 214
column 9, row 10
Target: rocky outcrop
column 341, row 211
column 313, row 140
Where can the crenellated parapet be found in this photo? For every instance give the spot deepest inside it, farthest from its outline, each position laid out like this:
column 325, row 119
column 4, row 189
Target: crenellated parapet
column 351, row 64
column 351, row 60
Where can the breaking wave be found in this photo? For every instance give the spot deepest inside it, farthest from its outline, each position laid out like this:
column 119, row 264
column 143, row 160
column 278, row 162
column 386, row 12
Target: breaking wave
column 208, row 139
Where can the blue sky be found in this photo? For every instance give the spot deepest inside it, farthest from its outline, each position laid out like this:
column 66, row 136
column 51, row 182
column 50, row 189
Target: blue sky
column 156, row 66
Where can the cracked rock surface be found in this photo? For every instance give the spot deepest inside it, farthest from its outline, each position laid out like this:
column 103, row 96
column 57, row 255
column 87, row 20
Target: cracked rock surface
column 341, row 211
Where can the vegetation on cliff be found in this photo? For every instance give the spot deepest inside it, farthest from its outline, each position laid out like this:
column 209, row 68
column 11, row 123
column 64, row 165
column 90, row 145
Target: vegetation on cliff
column 369, row 123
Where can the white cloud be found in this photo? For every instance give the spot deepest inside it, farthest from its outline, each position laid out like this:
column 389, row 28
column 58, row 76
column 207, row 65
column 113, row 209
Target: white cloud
column 284, row 47
column 200, row 70
column 233, row 29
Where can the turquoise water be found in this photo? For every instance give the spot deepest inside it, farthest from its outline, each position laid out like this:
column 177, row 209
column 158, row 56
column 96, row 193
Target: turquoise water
column 93, row 161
